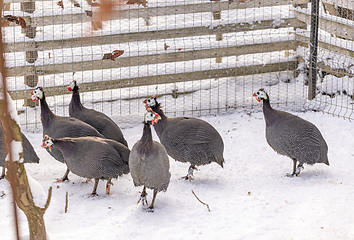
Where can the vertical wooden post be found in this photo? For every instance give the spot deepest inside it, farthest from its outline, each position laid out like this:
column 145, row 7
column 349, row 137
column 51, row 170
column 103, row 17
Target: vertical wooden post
column 218, row 34
column 31, row 77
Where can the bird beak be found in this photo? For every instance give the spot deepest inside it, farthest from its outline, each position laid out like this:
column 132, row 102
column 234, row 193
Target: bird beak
column 69, row 88
column 255, row 95
column 45, row 145
column 156, row 119
column 145, row 101
column 33, row 97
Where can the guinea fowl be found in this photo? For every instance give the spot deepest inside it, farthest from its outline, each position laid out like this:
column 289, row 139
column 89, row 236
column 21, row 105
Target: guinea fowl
column 187, row 139
column 148, row 162
column 104, row 125
column 59, row 127
column 292, row 136
column 29, row 155
column 92, row 157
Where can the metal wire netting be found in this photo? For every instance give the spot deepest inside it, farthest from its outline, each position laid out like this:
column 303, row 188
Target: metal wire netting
column 334, row 86
column 198, row 57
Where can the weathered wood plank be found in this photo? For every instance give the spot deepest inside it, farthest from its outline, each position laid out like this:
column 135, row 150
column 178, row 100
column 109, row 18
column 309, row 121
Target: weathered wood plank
column 338, row 29
column 341, row 3
column 304, row 41
column 330, row 9
column 156, row 58
column 162, row 11
column 169, row 78
column 147, row 36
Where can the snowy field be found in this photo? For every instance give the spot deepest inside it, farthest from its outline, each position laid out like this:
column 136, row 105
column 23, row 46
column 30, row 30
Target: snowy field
column 250, row 198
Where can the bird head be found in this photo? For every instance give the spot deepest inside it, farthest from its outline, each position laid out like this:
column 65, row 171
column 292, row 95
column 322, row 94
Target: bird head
column 47, row 142
column 37, row 94
column 72, row 86
column 260, row 95
column 151, row 117
column 150, row 102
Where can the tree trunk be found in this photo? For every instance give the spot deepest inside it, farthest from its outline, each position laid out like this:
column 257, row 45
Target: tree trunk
column 16, row 173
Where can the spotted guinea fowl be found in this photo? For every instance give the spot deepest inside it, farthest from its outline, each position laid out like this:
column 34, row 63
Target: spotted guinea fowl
column 92, row 157
column 148, row 162
column 59, row 127
column 187, row 139
column 106, row 126
column 292, row 136
column 29, row 155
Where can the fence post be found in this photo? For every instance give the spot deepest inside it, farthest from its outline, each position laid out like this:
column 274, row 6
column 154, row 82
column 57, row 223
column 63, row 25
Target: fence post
column 218, row 34
column 31, row 77
column 313, row 49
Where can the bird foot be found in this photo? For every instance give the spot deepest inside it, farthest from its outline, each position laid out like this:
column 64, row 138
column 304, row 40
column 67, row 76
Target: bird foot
column 93, row 194
column 296, row 173
column 143, row 199
column 149, row 209
column 87, row 181
column 190, row 175
column 61, row 179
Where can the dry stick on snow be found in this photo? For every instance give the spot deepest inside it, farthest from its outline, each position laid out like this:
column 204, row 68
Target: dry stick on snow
column 66, row 202
column 201, row 201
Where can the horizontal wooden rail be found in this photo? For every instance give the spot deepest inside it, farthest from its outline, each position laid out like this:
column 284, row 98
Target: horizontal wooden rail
column 303, row 40
column 142, row 12
column 169, row 78
column 155, row 59
column 148, row 35
column 336, row 28
column 340, row 3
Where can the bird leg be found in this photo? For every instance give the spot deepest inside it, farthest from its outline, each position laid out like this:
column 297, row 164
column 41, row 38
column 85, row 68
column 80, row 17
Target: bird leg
column 190, row 172
column 2, row 173
column 65, row 177
column 296, row 170
column 108, row 186
column 143, row 197
column 94, row 191
column 151, row 208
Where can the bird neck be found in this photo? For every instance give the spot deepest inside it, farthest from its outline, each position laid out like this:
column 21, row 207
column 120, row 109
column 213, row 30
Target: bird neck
column 75, row 103
column 268, row 112
column 46, row 113
column 157, row 109
column 146, row 140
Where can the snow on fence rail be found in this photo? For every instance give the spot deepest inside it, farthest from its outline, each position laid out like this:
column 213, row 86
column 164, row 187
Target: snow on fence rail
column 30, row 66
column 170, row 45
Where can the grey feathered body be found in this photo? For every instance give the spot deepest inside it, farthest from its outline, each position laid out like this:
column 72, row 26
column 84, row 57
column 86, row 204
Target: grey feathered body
column 190, row 140
column 29, row 155
column 294, row 137
column 149, row 164
column 94, row 157
column 101, row 122
column 59, row 127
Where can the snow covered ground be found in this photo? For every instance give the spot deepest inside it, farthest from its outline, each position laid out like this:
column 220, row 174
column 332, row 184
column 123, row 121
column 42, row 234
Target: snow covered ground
column 250, row 198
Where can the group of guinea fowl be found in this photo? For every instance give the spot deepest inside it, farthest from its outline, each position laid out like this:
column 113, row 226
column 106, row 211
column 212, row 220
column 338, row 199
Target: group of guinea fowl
column 93, row 146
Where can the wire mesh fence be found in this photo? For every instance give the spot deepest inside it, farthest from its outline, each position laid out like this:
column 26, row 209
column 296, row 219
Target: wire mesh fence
column 198, row 57
column 334, row 88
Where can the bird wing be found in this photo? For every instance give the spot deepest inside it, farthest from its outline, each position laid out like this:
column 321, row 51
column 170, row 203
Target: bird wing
column 189, row 131
column 123, row 151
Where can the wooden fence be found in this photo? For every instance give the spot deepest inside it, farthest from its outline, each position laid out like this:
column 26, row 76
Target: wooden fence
column 31, row 47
